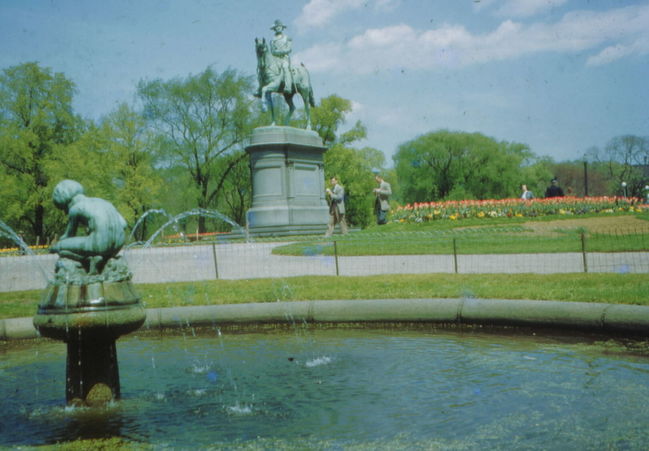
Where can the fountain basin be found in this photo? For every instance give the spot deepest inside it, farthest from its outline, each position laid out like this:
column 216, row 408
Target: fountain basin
column 304, row 386
column 598, row 317
column 107, row 309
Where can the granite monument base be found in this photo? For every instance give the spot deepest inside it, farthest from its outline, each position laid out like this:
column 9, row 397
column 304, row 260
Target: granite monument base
column 287, row 182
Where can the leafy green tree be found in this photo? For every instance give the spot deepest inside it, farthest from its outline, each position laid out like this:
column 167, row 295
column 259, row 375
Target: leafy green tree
column 536, row 173
column 86, row 161
column 36, row 125
column 353, row 172
column 202, row 122
column 237, row 190
column 114, row 160
column 374, row 157
column 130, row 146
column 328, row 116
column 457, row 165
column 353, row 167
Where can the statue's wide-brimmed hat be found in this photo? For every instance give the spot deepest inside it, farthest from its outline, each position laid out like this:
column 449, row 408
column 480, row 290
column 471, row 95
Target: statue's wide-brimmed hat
column 278, row 25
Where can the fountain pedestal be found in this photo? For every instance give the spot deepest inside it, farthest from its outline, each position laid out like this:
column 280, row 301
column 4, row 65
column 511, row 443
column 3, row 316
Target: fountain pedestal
column 92, row 374
column 89, row 313
column 288, row 190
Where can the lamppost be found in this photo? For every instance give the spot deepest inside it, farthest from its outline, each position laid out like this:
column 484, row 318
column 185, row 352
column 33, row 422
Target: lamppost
column 624, row 188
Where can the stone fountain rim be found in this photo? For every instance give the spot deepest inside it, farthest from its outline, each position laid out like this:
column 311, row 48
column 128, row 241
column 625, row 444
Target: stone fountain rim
column 631, row 320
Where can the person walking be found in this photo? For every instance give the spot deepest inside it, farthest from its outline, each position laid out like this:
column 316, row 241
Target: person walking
column 382, row 204
column 336, row 207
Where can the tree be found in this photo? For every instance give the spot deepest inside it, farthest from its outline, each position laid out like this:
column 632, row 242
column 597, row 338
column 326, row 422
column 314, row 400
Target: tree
column 573, row 179
column 353, row 172
column 457, row 165
column 202, row 121
column 131, row 149
column 374, row 157
column 114, row 160
column 330, row 115
column 625, row 158
column 36, row 124
column 353, row 167
column 237, row 190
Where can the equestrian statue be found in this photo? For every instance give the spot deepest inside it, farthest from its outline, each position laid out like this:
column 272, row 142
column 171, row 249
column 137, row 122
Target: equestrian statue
column 276, row 75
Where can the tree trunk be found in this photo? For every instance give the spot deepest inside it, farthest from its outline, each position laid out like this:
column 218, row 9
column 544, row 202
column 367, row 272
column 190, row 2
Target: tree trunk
column 39, row 233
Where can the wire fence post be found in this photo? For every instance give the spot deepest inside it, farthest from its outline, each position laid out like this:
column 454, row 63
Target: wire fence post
column 583, row 251
column 216, row 265
column 455, row 254
column 336, row 256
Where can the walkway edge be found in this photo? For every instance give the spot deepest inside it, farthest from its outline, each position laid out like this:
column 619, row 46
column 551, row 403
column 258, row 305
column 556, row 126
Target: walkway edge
column 595, row 317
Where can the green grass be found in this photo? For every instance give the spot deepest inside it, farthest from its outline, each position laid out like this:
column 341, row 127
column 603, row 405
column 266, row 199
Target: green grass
column 477, row 236
column 97, row 444
column 500, row 235
column 487, row 241
column 448, row 225
column 576, row 287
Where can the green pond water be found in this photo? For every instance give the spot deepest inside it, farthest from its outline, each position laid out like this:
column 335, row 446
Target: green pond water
column 394, row 388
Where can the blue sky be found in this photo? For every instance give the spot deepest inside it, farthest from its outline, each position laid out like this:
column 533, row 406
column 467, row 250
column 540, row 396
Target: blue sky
column 559, row 75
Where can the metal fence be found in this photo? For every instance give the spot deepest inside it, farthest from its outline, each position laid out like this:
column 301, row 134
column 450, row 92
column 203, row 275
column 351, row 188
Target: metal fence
column 244, row 260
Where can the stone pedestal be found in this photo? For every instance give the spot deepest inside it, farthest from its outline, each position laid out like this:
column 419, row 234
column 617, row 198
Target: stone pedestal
column 92, row 373
column 288, row 187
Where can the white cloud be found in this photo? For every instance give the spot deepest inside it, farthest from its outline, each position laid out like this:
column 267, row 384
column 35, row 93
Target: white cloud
column 609, row 54
column 318, row 13
column 357, row 107
column 622, row 32
column 321, row 57
column 617, row 51
column 380, row 38
column 527, row 8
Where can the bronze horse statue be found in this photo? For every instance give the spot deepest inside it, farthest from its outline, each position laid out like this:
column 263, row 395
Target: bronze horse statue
column 271, row 81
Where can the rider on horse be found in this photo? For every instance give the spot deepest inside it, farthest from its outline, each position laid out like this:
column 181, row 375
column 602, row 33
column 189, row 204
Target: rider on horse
column 275, row 74
column 280, row 47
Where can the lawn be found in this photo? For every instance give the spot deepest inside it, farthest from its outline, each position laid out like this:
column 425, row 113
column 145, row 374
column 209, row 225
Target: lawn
column 619, row 232
column 556, row 233
column 575, row 287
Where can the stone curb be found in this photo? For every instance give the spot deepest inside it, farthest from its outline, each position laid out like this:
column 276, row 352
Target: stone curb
column 595, row 317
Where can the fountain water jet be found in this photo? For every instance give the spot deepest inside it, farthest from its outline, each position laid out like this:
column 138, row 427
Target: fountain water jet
column 198, row 212
column 8, row 232
column 160, row 211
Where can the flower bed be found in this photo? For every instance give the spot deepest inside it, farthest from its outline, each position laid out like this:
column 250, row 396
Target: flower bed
column 182, row 237
column 491, row 208
column 18, row 251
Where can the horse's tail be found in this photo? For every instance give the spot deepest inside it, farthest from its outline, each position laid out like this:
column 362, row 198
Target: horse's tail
column 311, row 100
column 308, row 80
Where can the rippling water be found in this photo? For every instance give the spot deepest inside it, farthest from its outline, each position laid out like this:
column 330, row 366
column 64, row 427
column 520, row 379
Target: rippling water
column 341, row 388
